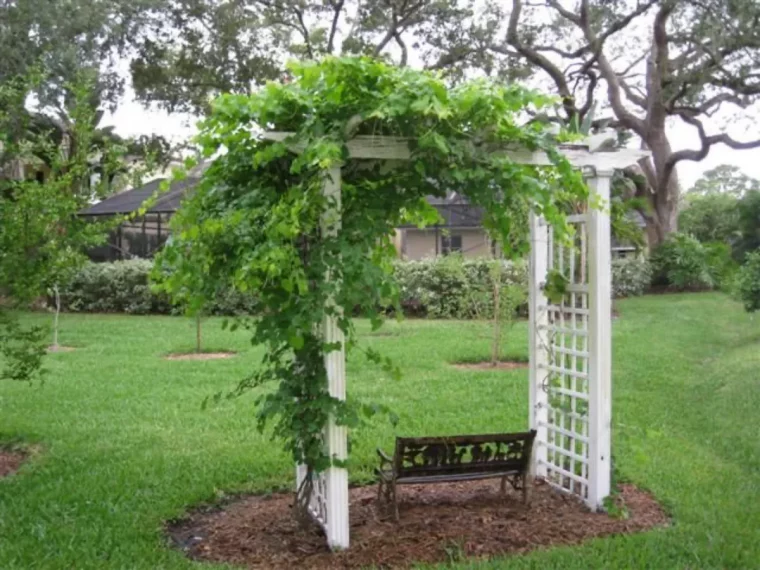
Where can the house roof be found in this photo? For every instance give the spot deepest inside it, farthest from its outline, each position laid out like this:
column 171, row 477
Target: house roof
column 455, row 211
column 130, row 200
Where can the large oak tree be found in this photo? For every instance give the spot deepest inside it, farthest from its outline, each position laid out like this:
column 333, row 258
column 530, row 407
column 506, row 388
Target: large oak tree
column 655, row 61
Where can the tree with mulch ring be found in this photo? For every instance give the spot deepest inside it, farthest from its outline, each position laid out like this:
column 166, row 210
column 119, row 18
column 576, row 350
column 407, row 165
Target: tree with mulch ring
column 12, row 456
column 200, row 355
column 259, row 531
column 509, row 364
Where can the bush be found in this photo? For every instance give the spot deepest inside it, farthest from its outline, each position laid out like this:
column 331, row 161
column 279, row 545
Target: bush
column 454, row 288
column 721, row 264
column 748, row 282
column 631, row 276
column 124, row 287
column 681, row 263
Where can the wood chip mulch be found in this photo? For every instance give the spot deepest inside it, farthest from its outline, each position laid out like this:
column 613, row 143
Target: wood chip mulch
column 10, row 461
column 438, row 523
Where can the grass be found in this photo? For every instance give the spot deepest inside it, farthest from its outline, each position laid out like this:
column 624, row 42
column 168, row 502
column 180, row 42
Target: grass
column 124, row 444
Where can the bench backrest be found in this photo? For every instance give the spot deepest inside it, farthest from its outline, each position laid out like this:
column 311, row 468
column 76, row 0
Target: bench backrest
column 420, row 456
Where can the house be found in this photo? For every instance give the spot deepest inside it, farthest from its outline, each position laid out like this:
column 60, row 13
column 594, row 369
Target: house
column 459, row 231
column 138, row 236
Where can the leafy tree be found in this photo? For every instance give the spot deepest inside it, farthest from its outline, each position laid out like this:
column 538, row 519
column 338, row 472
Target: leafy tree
column 749, row 225
column 659, row 60
column 724, row 179
column 65, row 36
column 193, row 50
column 748, row 282
column 46, row 181
column 710, row 217
column 257, row 222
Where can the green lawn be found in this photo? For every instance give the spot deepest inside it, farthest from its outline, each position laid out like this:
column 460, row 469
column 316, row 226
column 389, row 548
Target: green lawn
column 125, row 444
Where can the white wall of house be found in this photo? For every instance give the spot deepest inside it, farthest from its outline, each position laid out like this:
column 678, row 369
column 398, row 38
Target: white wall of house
column 417, row 244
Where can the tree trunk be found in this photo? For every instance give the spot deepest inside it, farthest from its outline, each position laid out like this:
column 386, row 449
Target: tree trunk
column 496, row 324
column 664, row 194
column 198, row 333
column 57, row 293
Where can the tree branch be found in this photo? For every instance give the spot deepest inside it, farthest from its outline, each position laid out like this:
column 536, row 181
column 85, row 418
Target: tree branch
column 706, row 143
column 402, row 45
column 337, row 8
column 633, row 97
column 304, row 32
column 627, row 118
column 539, row 60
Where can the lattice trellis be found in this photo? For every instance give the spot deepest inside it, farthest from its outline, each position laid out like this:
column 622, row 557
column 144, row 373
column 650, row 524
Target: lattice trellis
column 570, row 344
column 318, row 502
column 565, row 374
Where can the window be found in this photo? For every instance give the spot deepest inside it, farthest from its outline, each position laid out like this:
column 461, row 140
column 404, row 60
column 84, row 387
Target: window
column 451, row 244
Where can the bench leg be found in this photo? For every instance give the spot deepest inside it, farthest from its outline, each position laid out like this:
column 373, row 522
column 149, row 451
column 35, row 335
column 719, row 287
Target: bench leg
column 395, row 500
column 525, row 490
column 503, row 487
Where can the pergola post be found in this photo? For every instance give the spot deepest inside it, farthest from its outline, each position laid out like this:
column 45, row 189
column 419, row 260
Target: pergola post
column 599, row 341
column 538, row 323
column 336, row 436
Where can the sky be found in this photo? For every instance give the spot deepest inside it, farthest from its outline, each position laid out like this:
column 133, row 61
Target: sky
column 131, row 119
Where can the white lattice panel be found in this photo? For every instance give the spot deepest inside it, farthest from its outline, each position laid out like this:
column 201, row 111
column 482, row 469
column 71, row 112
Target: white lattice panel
column 570, row 354
column 565, row 373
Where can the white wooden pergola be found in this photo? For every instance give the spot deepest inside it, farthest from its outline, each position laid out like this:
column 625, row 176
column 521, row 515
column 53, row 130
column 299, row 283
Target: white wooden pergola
column 570, row 403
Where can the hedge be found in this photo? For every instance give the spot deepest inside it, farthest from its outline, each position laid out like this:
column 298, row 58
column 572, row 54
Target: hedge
column 447, row 288
column 123, row 287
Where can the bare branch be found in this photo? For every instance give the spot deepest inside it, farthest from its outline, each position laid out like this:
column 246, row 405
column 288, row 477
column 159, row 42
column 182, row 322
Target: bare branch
column 631, row 95
column 706, row 143
column 627, row 118
column 402, row 45
column 564, row 12
column 539, row 60
column 304, row 32
column 713, row 104
column 337, row 8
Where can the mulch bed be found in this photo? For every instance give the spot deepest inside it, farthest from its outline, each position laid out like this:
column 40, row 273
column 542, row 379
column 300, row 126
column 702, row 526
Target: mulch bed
column 488, row 365
column 199, row 355
column 437, row 522
column 10, row 461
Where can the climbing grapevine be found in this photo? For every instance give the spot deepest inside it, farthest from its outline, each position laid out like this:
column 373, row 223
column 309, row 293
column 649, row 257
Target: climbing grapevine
column 253, row 224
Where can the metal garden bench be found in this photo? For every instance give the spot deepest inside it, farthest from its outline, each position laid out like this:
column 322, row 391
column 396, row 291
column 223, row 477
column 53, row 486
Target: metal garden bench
column 420, row 460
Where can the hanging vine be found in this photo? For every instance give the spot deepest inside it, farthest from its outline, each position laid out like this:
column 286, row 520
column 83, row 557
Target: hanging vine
column 253, row 224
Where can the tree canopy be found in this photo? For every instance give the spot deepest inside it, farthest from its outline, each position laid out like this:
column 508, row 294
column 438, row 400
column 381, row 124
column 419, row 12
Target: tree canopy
column 724, row 179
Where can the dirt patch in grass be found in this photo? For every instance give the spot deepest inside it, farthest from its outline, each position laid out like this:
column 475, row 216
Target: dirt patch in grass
column 438, row 523
column 199, row 355
column 488, row 365
column 61, row 348
column 10, row 461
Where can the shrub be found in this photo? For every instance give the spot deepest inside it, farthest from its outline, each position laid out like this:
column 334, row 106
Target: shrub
column 721, row 264
column 681, row 263
column 748, row 282
column 749, row 225
column 454, row 288
column 124, row 287
column 631, row 276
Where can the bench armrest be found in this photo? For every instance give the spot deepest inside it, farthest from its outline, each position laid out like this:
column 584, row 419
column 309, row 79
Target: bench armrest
column 384, row 458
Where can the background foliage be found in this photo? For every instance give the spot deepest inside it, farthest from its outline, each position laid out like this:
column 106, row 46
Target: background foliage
column 748, row 282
